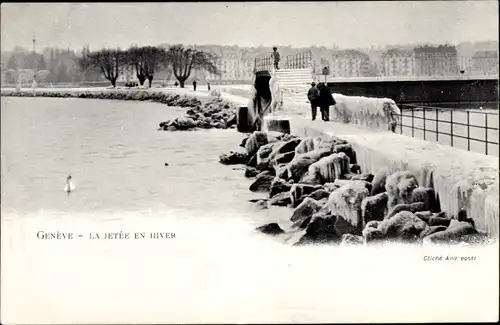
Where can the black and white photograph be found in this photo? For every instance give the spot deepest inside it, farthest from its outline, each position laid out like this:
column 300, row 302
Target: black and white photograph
column 249, row 162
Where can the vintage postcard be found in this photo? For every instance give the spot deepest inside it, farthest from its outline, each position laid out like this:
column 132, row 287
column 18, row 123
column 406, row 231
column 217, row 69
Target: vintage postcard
column 249, row 162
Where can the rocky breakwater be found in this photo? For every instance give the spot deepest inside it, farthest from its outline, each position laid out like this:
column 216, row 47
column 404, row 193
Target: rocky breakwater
column 216, row 113
column 170, row 99
column 334, row 202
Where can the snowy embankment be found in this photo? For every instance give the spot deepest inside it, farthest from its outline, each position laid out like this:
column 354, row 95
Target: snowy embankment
column 160, row 95
column 461, row 179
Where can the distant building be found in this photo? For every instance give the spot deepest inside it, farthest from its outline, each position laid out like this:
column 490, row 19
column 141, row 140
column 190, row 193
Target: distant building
column 436, row 60
column 465, row 64
column 351, row 63
column 485, row 63
column 235, row 65
column 398, row 62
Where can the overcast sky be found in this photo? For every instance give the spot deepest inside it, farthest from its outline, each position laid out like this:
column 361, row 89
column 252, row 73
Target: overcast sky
column 347, row 24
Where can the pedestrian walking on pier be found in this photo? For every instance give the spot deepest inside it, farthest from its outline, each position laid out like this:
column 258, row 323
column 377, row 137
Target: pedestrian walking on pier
column 325, row 101
column 276, row 57
column 194, row 85
column 313, row 96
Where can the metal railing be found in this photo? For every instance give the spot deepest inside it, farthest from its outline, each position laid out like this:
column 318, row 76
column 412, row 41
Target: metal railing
column 463, row 126
column 264, row 62
column 301, row 60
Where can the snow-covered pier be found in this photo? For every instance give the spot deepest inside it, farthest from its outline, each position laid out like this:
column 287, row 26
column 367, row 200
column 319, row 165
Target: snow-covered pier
column 461, row 179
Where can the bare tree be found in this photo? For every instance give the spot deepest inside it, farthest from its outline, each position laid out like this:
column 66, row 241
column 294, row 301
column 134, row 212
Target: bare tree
column 109, row 61
column 146, row 60
column 155, row 58
column 183, row 61
column 135, row 58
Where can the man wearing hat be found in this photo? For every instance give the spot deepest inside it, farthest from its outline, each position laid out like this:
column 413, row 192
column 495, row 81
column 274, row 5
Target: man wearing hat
column 313, row 96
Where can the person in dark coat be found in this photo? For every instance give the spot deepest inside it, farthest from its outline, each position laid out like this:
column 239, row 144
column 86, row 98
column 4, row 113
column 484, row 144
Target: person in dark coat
column 276, row 57
column 325, row 101
column 194, row 85
column 208, row 86
column 313, row 96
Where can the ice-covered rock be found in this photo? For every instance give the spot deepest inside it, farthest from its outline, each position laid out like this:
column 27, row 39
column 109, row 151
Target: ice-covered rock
column 424, row 215
column 438, row 221
column 379, row 180
column 262, row 182
column 330, row 187
column 298, row 167
column 456, row 231
column 350, row 239
column 270, row 229
column 400, row 186
column 281, row 199
column 319, row 194
column 412, row 207
column 342, row 182
column 373, row 224
column 282, row 171
column 345, row 203
column 233, row 158
column 325, row 143
column 305, row 146
column 372, row 235
column 431, row 230
column 183, row 123
column 374, row 207
column 320, row 229
column 367, row 177
column 299, row 191
column 288, row 146
column 355, row 168
column 251, row 172
column 330, row 168
column 263, row 152
column 255, row 141
column 348, row 150
column 404, row 226
column 261, row 204
column 283, row 158
column 310, row 179
column 279, row 185
column 305, row 209
column 316, row 155
column 426, row 195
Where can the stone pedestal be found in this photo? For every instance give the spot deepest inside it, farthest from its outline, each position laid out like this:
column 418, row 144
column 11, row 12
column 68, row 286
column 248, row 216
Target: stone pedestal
column 243, row 124
column 278, row 124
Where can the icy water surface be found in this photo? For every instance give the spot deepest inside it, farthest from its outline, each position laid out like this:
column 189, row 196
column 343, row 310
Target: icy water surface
column 116, row 157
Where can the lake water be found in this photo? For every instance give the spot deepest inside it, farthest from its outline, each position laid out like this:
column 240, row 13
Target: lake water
column 116, row 157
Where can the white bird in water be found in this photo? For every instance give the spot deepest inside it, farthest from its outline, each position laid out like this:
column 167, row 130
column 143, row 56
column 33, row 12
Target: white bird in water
column 69, row 185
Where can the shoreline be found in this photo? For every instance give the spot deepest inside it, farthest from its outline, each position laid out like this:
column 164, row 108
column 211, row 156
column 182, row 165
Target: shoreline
column 162, row 97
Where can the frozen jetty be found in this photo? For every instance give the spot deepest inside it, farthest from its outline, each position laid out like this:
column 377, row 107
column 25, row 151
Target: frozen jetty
column 461, row 179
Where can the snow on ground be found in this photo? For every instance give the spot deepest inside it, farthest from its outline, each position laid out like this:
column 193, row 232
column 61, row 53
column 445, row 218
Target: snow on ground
column 201, row 93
